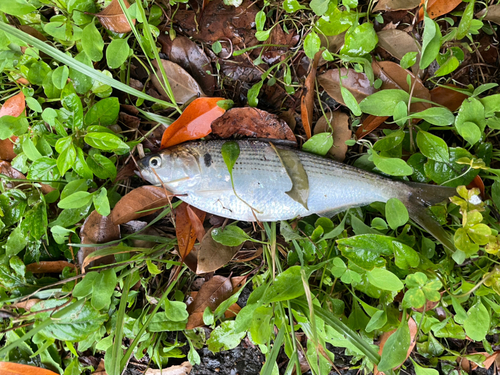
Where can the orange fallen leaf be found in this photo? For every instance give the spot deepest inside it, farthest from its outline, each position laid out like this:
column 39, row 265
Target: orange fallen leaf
column 185, row 230
column 8, row 368
column 307, row 100
column 193, row 123
column 113, row 18
column 369, row 124
column 436, row 8
column 49, row 266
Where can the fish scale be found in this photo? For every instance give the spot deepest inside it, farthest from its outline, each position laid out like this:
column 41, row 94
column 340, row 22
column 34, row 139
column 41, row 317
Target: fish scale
column 196, row 171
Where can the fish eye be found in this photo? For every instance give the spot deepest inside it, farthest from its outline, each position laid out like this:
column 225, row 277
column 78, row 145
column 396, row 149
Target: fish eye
column 155, row 162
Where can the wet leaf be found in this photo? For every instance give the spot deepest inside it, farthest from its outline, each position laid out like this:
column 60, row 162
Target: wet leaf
column 341, row 133
column 357, row 83
column 396, row 213
column 211, row 294
column 184, row 229
column 97, row 229
column 9, row 368
column 231, row 235
column 393, row 5
column 14, row 106
column 193, row 123
column 213, row 255
column 319, row 144
column 102, row 289
column 112, row 17
column 436, row 8
column 224, row 338
column 251, row 122
column 184, row 87
column 140, row 202
column 397, row 345
column 359, row 40
column 196, row 222
column 307, row 99
column 451, row 173
column 433, row 147
column 117, row 53
column 92, row 42
column 295, row 170
column 187, row 54
column 55, row 266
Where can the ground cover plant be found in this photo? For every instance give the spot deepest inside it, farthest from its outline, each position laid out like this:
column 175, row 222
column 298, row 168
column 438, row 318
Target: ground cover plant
column 101, row 272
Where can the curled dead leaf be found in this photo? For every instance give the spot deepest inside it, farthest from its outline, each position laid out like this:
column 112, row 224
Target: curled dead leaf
column 307, row 99
column 188, row 55
column 252, row 122
column 357, row 83
column 97, row 229
column 184, row 87
column 112, row 17
column 49, row 266
column 26, row 305
column 140, row 202
column 213, row 255
column 393, row 5
column 184, row 228
column 492, row 14
column 211, row 294
column 194, row 122
column 341, row 133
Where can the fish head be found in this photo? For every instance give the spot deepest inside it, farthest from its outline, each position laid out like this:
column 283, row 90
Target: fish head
column 176, row 168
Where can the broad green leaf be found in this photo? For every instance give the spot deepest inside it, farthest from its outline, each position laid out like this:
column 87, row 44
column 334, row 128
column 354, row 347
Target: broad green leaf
column 74, row 110
column 260, row 20
column 471, row 110
column 385, row 280
column 396, row 213
column 66, row 159
column 291, row 6
column 466, row 20
column 102, row 290
column 104, row 112
column 73, row 187
column 76, row 200
column 431, row 42
column 391, row 166
column 92, row 42
column 433, row 147
column 60, row 77
column 491, row 104
column 318, row 144
column 81, row 81
column 33, row 104
column 405, row 256
column 253, row 94
column 319, row 7
column 377, row 321
column 408, row 60
column 106, row 142
column 469, row 131
column 260, row 328
column 84, row 287
column 176, row 311
column 350, row 101
column 395, row 348
column 312, row 43
column 101, row 202
column 390, row 141
column 414, row 297
column 419, row 370
column 117, row 53
column 160, row 323
column 43, row 169
column 335, row 21
column 81, row 166
column 16, row 7
column 101, row 166
column 436, row 116
column 231, row 235
column 400, row 113
column 30, row 149
column 10, row 125
column 38, row 71
column 451, row 173
column 449, row 66
column 360, row 40
column 224, row 338
column 16, row 241
column 477, row 323
column 286, row 286
column 382, row 103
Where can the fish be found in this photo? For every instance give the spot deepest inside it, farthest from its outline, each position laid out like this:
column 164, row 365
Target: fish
column 197, row 173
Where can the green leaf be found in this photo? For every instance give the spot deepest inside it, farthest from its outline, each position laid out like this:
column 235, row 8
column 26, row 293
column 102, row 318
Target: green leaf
column 16, row 241
column 224, row 338
column 319, row 7
column 360, row 40
column 433, row 147
column 286, row 286
column 117, row 53
column 291, row 6
column 414, row 297
column 350, row 101
column 231, row 235
column 101, row 202
column 366, row 250
column 66, row 159
column 466, row 20
column 469, row 131
column 377, row 321
column 30, row 149
column 477, row 323
column 312, row 44
column 60, row 77
column 106, row 142
column 253, row 94
column 73, row 187
column 16, row 7
column 262, row 35
column 436, row 116
column 449, row 66
column 103, row 288
column 260, row 20
column 104, row 112
column 76, row 200
column 385, row 280
column 319, row 144
column 175, row 311
column 230, row 152
column 10, row 126
column 101, row 166
column 38, row 71
column 431, row 42
column 81, row 166
column 405, row 256
column 419, row 370
column 260, row 328
column 84, row 287
column 396, row 213
column 471, row 110
column 382, row 103
column 33, row 104
column 391, row 166
column 450, row 174
column 42, row 168
column 73, row 104
column 408, row 60
column 81, row 81
column 92, row 42
column 395, row 348
column 390, row 141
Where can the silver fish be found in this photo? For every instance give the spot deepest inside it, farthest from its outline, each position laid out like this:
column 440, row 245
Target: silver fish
column 197, row 172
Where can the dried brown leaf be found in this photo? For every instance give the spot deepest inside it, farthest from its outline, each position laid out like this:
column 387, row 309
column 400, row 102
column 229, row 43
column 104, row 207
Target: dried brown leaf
column 49, row 266
column 97, row 229
column 196, row 221
column 183, row 369
column 449, row 98
column 184, row 229
column 307, row 99
column 184, row 87
column 26, row 305
column 188, row 55
column 140, row 202
column 392, row 5
column 492, row 14
column 357, row 83
column 211, row 295
column 213, row 255
column 8, row 368
column 398, row 43
column 112, row 17
column 341, row 133
column 251, row 122
column 436, row 8
column 370, row 124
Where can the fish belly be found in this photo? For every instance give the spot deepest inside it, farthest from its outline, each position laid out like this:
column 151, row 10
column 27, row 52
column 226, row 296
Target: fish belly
column 261, row 183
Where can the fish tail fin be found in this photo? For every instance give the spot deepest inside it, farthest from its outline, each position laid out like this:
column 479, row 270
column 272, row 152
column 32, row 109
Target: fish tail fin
column 417, row 200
